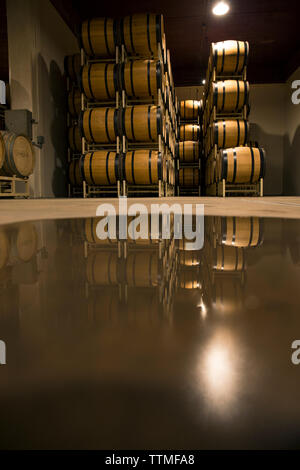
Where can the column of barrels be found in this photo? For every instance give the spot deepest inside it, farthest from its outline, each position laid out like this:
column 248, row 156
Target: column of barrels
column 232, row 164
column 188, row 148
column 99, row 121
column 148, row 107
column 72, row 72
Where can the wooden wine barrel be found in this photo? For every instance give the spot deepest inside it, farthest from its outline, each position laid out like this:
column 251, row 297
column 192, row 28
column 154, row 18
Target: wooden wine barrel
column 75, row 176
column 142, row 123
column 74, row 102
column 102, row 268
column 4, row 248
column 99, row 125
column 229, row 96
column 188, row 151
column 19, row 155
column 74, row 139
column 100, row 168
column 99, row 81
column 98, row 37
column 142, row 269
column 141, row 34
column 229, row 57
column 189, row 110
column 24, row 243
column 241, row 164
column 90, row 232
column 242, row 232
column 229, row 133
column 141, row 78
column 72, row 67
column 189, row 132
column 189, row 177
column 143, row 167
column 2, row 151
column 229, row 258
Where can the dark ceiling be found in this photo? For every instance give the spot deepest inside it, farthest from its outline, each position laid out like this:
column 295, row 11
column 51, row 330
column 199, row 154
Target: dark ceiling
column 271, row 27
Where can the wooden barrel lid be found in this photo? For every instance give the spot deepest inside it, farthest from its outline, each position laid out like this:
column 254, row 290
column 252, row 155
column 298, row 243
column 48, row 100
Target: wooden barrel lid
column 23, row 155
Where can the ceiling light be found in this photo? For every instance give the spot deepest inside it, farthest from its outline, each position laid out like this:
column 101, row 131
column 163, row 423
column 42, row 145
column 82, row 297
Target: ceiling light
column 221, row 8
column 203, row 82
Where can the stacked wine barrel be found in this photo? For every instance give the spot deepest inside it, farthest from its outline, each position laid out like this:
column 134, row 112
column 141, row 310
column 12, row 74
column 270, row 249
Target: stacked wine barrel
column 148, row 107
column 127, row 124
column 188, row 148
column 229, row 156
column 17, row 157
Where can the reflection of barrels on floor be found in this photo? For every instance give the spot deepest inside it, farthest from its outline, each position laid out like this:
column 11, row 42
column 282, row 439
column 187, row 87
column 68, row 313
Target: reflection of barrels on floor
column 4, row 248
column 189, row 278
column 90, row 232
column 24, row 243
column 25, row 273
column 10, row 304
column 189, row 258
column 104, row 306
column 239, row 231
column 103, row 268
column 227, row 293
column 229, row 258
column 143, row 306
column 142, row 269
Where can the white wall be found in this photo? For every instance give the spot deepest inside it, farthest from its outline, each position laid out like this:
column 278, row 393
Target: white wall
column 268, row 127
column 291, row 176
column 38, row 40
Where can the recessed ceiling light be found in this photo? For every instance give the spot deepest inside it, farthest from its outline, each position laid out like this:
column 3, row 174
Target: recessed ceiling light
column 221, row 8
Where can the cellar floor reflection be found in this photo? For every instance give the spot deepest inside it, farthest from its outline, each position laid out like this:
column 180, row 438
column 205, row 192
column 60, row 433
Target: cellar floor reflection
column 146, row 345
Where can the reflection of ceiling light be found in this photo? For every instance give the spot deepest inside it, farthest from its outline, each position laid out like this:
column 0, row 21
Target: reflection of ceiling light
column 203, row 82
column 221, row 8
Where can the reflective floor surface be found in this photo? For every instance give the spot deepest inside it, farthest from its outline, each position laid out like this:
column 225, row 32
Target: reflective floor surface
column 147, row 344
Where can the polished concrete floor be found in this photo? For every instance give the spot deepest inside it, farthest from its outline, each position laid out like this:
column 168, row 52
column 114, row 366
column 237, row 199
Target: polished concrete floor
column 146, row 345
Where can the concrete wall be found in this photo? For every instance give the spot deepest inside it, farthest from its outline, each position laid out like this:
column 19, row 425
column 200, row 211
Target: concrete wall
column 291, row 174
column 38, row 40
column 268, row 127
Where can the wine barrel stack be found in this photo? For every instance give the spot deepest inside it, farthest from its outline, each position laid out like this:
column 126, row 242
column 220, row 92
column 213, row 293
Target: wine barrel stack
column 188, row 149
column 233, row 165
column 126, row 128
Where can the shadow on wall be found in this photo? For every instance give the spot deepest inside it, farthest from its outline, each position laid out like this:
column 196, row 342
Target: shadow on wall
column 274, row 147
column 59, row 129
column 291, row 170
column 53, row 114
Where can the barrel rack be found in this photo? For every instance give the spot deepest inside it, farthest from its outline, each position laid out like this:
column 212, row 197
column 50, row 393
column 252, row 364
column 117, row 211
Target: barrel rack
column 185, row 191
column 8, row 187
column 165, row 144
